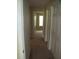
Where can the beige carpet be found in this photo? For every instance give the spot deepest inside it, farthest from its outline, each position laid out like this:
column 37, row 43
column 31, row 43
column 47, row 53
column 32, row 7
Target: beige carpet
column 39, row 49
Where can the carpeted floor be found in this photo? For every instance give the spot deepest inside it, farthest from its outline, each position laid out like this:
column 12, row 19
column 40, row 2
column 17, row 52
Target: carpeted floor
column 39, row 49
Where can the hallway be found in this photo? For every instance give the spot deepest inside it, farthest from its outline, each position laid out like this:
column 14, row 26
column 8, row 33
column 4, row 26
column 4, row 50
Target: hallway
column 39, row 29
column 39, row 49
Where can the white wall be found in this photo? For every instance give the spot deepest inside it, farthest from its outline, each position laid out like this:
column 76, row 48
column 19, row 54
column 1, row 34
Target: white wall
column 46, row 26
column 27, row 25
column 58, row 33
column 51, row 27
column 56, row 37
column 23, row 29
column 20, row 31
column 54, row 33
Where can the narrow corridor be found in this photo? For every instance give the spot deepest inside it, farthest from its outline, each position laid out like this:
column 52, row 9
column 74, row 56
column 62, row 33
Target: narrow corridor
column 39, row 29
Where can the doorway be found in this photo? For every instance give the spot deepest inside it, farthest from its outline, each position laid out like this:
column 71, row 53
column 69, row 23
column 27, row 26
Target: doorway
column 38, row 22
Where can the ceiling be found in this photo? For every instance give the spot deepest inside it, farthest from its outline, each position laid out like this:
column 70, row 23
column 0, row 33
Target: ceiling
column 38, row 3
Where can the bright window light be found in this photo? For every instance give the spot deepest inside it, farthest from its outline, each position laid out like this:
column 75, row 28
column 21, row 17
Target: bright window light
column 35, row 20
column 40, row 20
